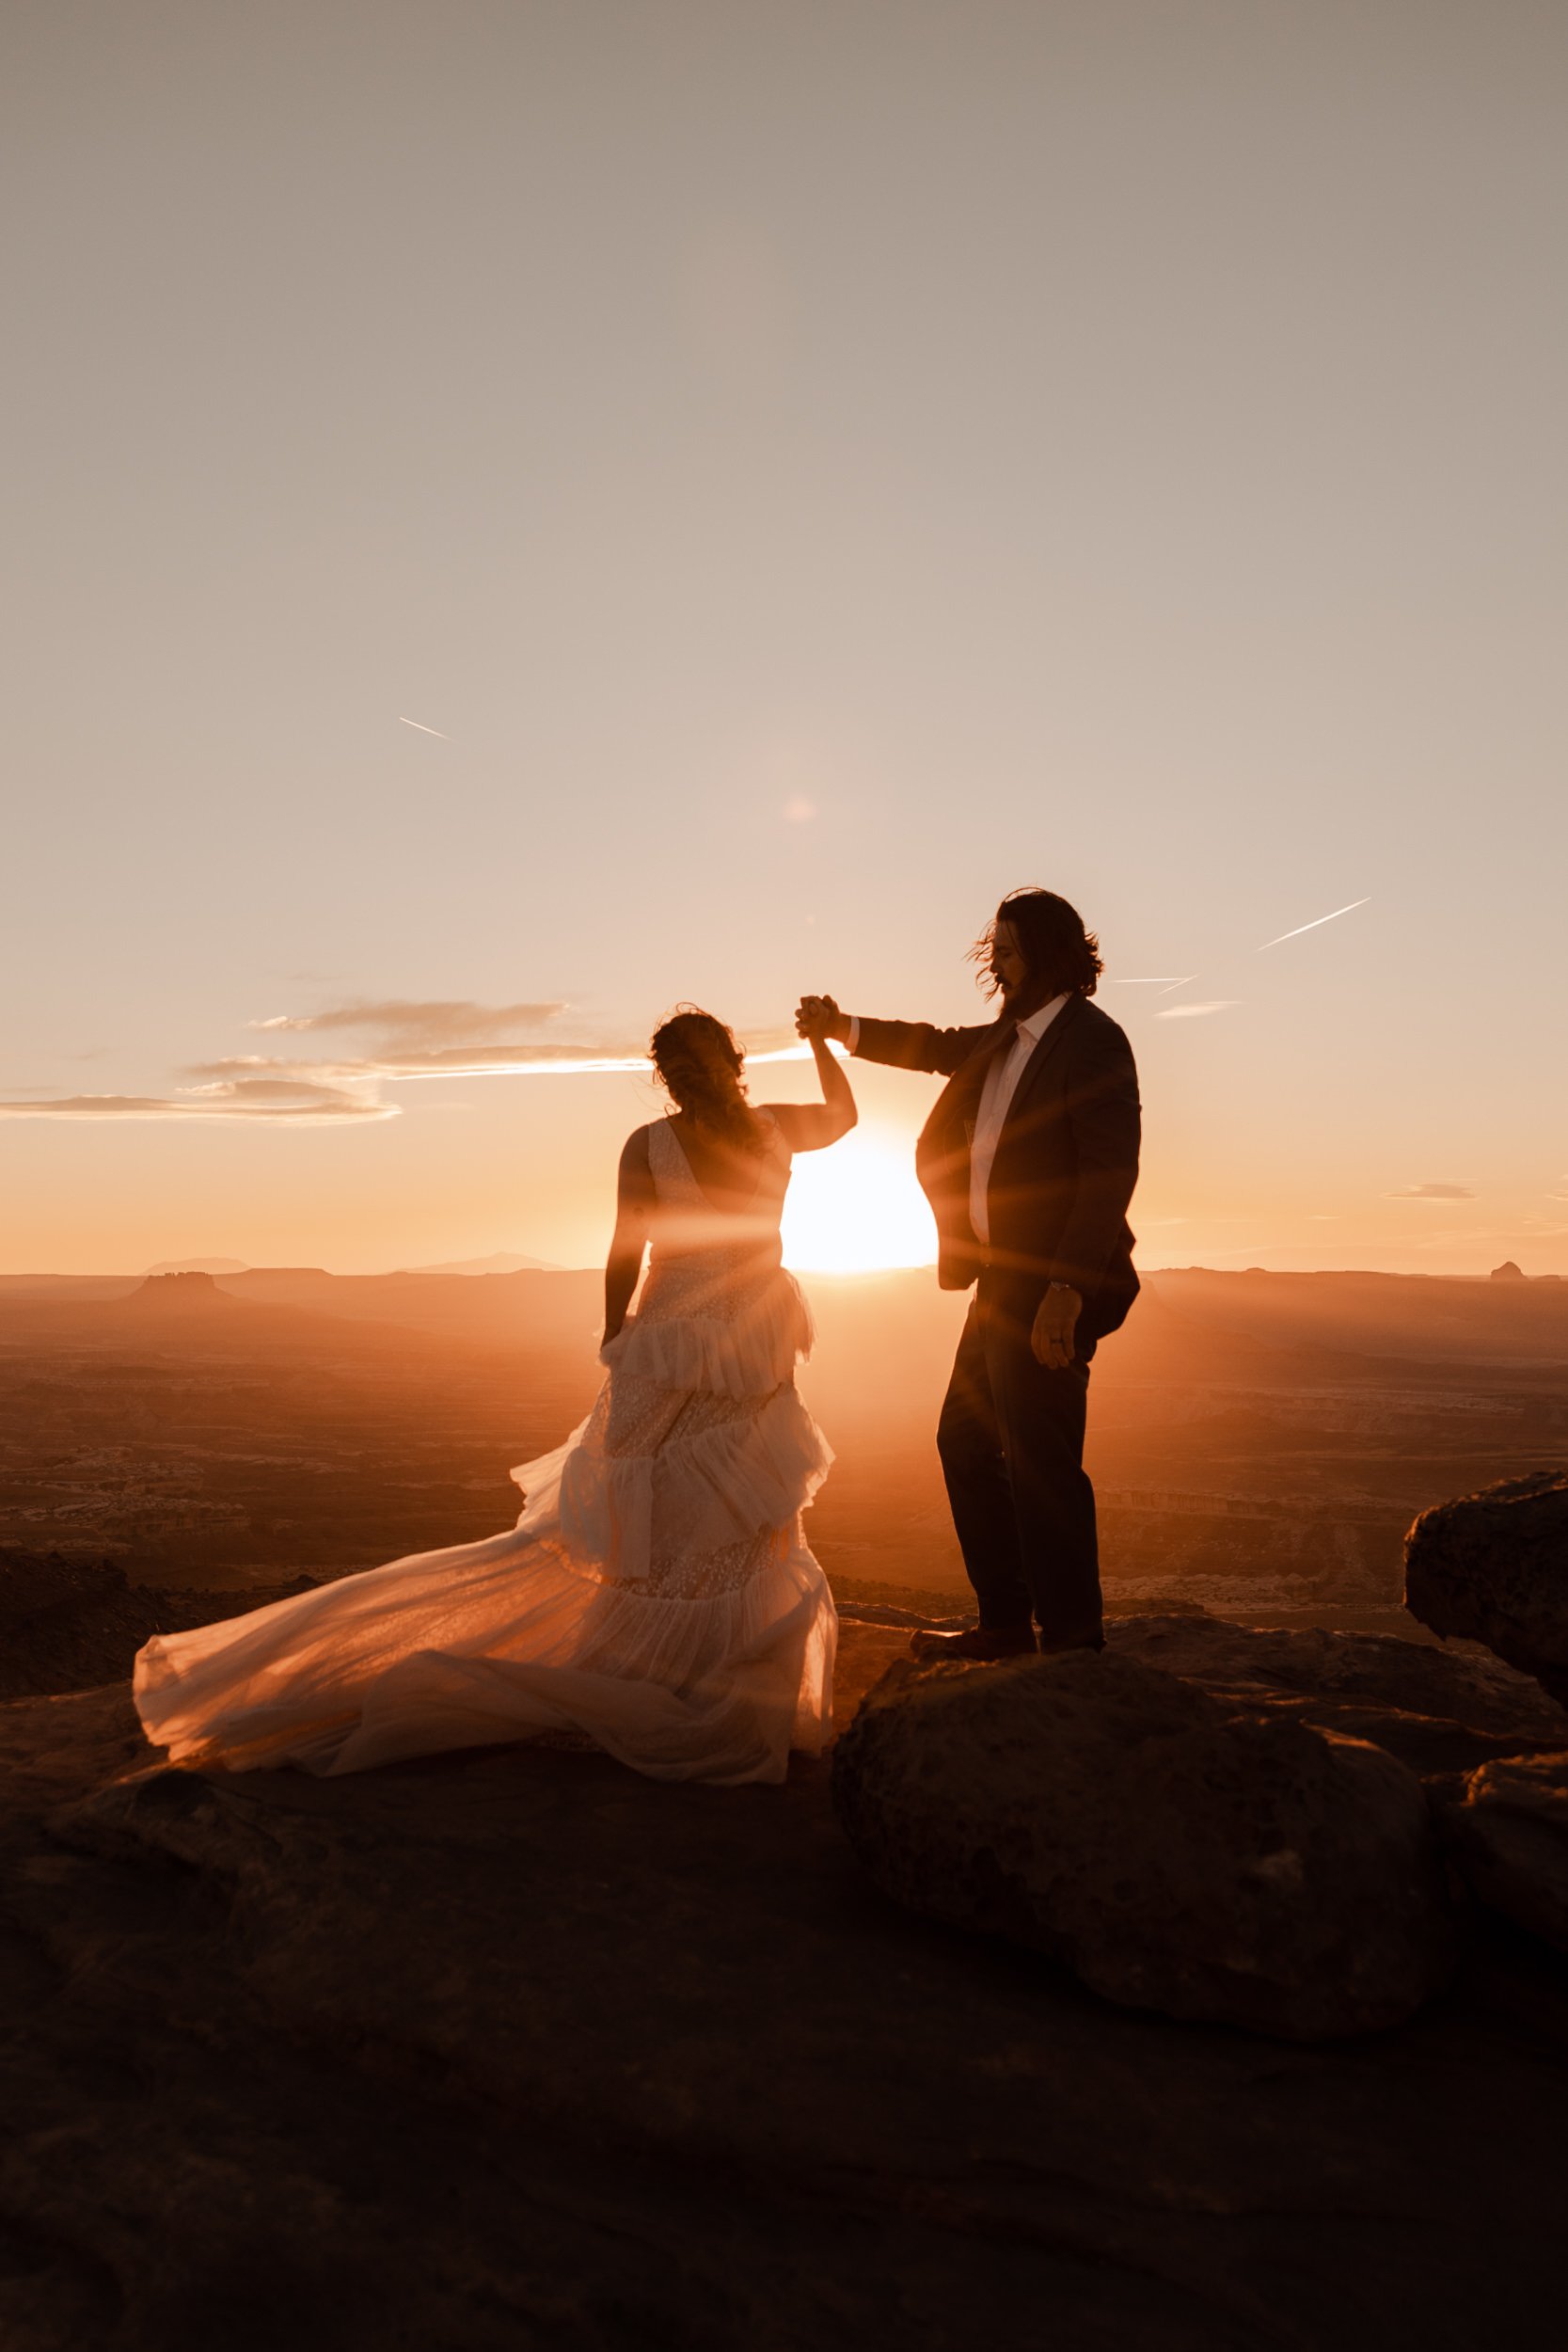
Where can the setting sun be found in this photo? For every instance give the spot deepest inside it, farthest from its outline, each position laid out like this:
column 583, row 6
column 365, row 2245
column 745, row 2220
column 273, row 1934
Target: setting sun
column 858, row 1208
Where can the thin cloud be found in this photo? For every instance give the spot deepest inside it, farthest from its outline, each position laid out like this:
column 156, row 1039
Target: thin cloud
column 1430, row 1192
column 423, row 728
column 1191, row 1013
column 246, row 1101
column 426, row 1037
column 450, row 1061
column 425, row 1022
column 452, row 1038
column 1153, row 979
column 405, row 1040
column 500, row 1061
column 1316, row 923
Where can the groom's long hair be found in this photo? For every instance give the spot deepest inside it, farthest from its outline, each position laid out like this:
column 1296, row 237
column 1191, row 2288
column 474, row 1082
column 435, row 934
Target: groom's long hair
column 1062, row 954
column 706, row 1084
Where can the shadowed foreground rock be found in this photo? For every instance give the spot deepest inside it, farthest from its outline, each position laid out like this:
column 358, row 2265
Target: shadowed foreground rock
column 1492, row 1567
column 74, row 1625
column 515, row 2050
column 1486, row 1739
column 1441, row 1711
column 1226, row 1866
column 1510, row 1837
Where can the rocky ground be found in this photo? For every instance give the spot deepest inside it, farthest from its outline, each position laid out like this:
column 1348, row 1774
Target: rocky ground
column 514, row 2048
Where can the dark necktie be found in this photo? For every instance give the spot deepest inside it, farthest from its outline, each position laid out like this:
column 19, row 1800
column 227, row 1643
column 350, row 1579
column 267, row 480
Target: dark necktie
column 1001, row 1045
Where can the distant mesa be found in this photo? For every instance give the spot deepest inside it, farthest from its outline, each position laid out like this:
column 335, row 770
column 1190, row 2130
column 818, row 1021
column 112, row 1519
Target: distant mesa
column 191, row 1292
column 1508, row 1272
column 502, row 1262
column 197, row 1265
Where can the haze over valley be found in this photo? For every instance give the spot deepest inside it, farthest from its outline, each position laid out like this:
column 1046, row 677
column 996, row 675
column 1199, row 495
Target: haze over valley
column 1260, row 1441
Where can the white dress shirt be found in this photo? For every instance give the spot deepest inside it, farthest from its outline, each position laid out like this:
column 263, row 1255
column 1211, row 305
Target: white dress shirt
column 996, row 1095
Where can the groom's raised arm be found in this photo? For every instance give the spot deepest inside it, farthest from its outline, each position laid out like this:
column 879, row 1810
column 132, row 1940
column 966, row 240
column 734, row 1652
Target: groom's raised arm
column 913, row 1044
column 904, row 1044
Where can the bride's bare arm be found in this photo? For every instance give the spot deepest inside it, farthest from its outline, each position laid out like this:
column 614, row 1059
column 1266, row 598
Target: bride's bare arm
column 812, row 1126
column 634, row 1209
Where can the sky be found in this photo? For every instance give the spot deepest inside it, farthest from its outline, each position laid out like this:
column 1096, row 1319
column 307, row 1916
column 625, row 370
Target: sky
column 519, row 515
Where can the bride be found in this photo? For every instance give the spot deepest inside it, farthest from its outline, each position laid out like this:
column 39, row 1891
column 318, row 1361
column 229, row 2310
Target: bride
column 657, row 1592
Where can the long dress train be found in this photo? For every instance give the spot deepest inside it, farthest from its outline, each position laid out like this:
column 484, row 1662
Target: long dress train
column 657, row 1592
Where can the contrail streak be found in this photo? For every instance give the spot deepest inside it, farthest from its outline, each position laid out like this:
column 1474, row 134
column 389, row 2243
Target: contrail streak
column 1314, row 924
column 573, row 1066
column 424, row 730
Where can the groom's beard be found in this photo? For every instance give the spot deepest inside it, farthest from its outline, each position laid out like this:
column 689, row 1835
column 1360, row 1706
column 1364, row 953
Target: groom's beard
column 1026, row 999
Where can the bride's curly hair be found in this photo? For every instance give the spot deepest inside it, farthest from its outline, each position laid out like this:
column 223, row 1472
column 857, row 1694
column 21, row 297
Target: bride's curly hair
column 705, row 1084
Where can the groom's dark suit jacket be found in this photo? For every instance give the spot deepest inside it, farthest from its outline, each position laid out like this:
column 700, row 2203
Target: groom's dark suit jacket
column 1065, row 1166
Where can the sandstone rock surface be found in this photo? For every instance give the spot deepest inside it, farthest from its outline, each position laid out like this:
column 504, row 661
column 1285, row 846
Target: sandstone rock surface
column 1510, row 1832
column 1492, row 1567
column 74, row 1625
column 515, row 2050
column 1439, row 1711
column 1177, row 1858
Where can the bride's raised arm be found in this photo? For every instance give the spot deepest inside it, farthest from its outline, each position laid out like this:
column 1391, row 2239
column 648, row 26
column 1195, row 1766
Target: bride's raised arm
column 812, row 1126
column 634, row 1210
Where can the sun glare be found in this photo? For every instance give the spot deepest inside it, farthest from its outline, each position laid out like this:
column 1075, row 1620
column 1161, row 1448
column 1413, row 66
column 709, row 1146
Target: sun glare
column 857, row 1208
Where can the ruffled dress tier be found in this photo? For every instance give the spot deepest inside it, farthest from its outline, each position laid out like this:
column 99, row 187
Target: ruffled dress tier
column 657, row 1595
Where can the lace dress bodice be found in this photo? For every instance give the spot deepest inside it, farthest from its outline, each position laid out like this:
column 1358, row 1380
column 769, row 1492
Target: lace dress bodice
column 707, row 1449
column 703, row 1259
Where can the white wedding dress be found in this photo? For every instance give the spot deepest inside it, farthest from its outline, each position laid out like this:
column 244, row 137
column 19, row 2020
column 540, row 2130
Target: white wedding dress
column 657, row 1592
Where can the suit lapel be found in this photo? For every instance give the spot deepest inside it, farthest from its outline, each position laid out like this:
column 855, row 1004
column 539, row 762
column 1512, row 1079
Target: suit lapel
column 967, row 1082
column 944, row 1139
column 1041, row 1055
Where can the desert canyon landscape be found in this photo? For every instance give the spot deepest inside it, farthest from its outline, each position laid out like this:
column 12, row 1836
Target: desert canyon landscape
column 1260, row 1441
column 234, row 2097
column 986, row 579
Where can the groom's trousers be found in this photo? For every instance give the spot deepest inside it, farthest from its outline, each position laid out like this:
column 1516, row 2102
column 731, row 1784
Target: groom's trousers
column 1011, row 1442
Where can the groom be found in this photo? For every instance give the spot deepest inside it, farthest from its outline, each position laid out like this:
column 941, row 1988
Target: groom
column 1028, row 1160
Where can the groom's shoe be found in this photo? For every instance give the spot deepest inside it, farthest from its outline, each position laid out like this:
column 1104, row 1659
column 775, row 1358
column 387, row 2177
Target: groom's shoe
column 982, row 1642
column 1054, row 1646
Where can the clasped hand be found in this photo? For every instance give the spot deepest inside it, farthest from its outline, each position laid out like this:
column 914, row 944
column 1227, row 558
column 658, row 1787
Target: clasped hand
column 818, row 1017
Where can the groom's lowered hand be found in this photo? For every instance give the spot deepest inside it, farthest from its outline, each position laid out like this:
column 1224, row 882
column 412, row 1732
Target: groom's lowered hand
column 1055, row 1322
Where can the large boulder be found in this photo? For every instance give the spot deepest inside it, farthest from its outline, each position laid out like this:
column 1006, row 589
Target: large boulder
column 1441, row 1711
column 1176, row 1854
column 1509, row 1834
column 1492, row 1567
